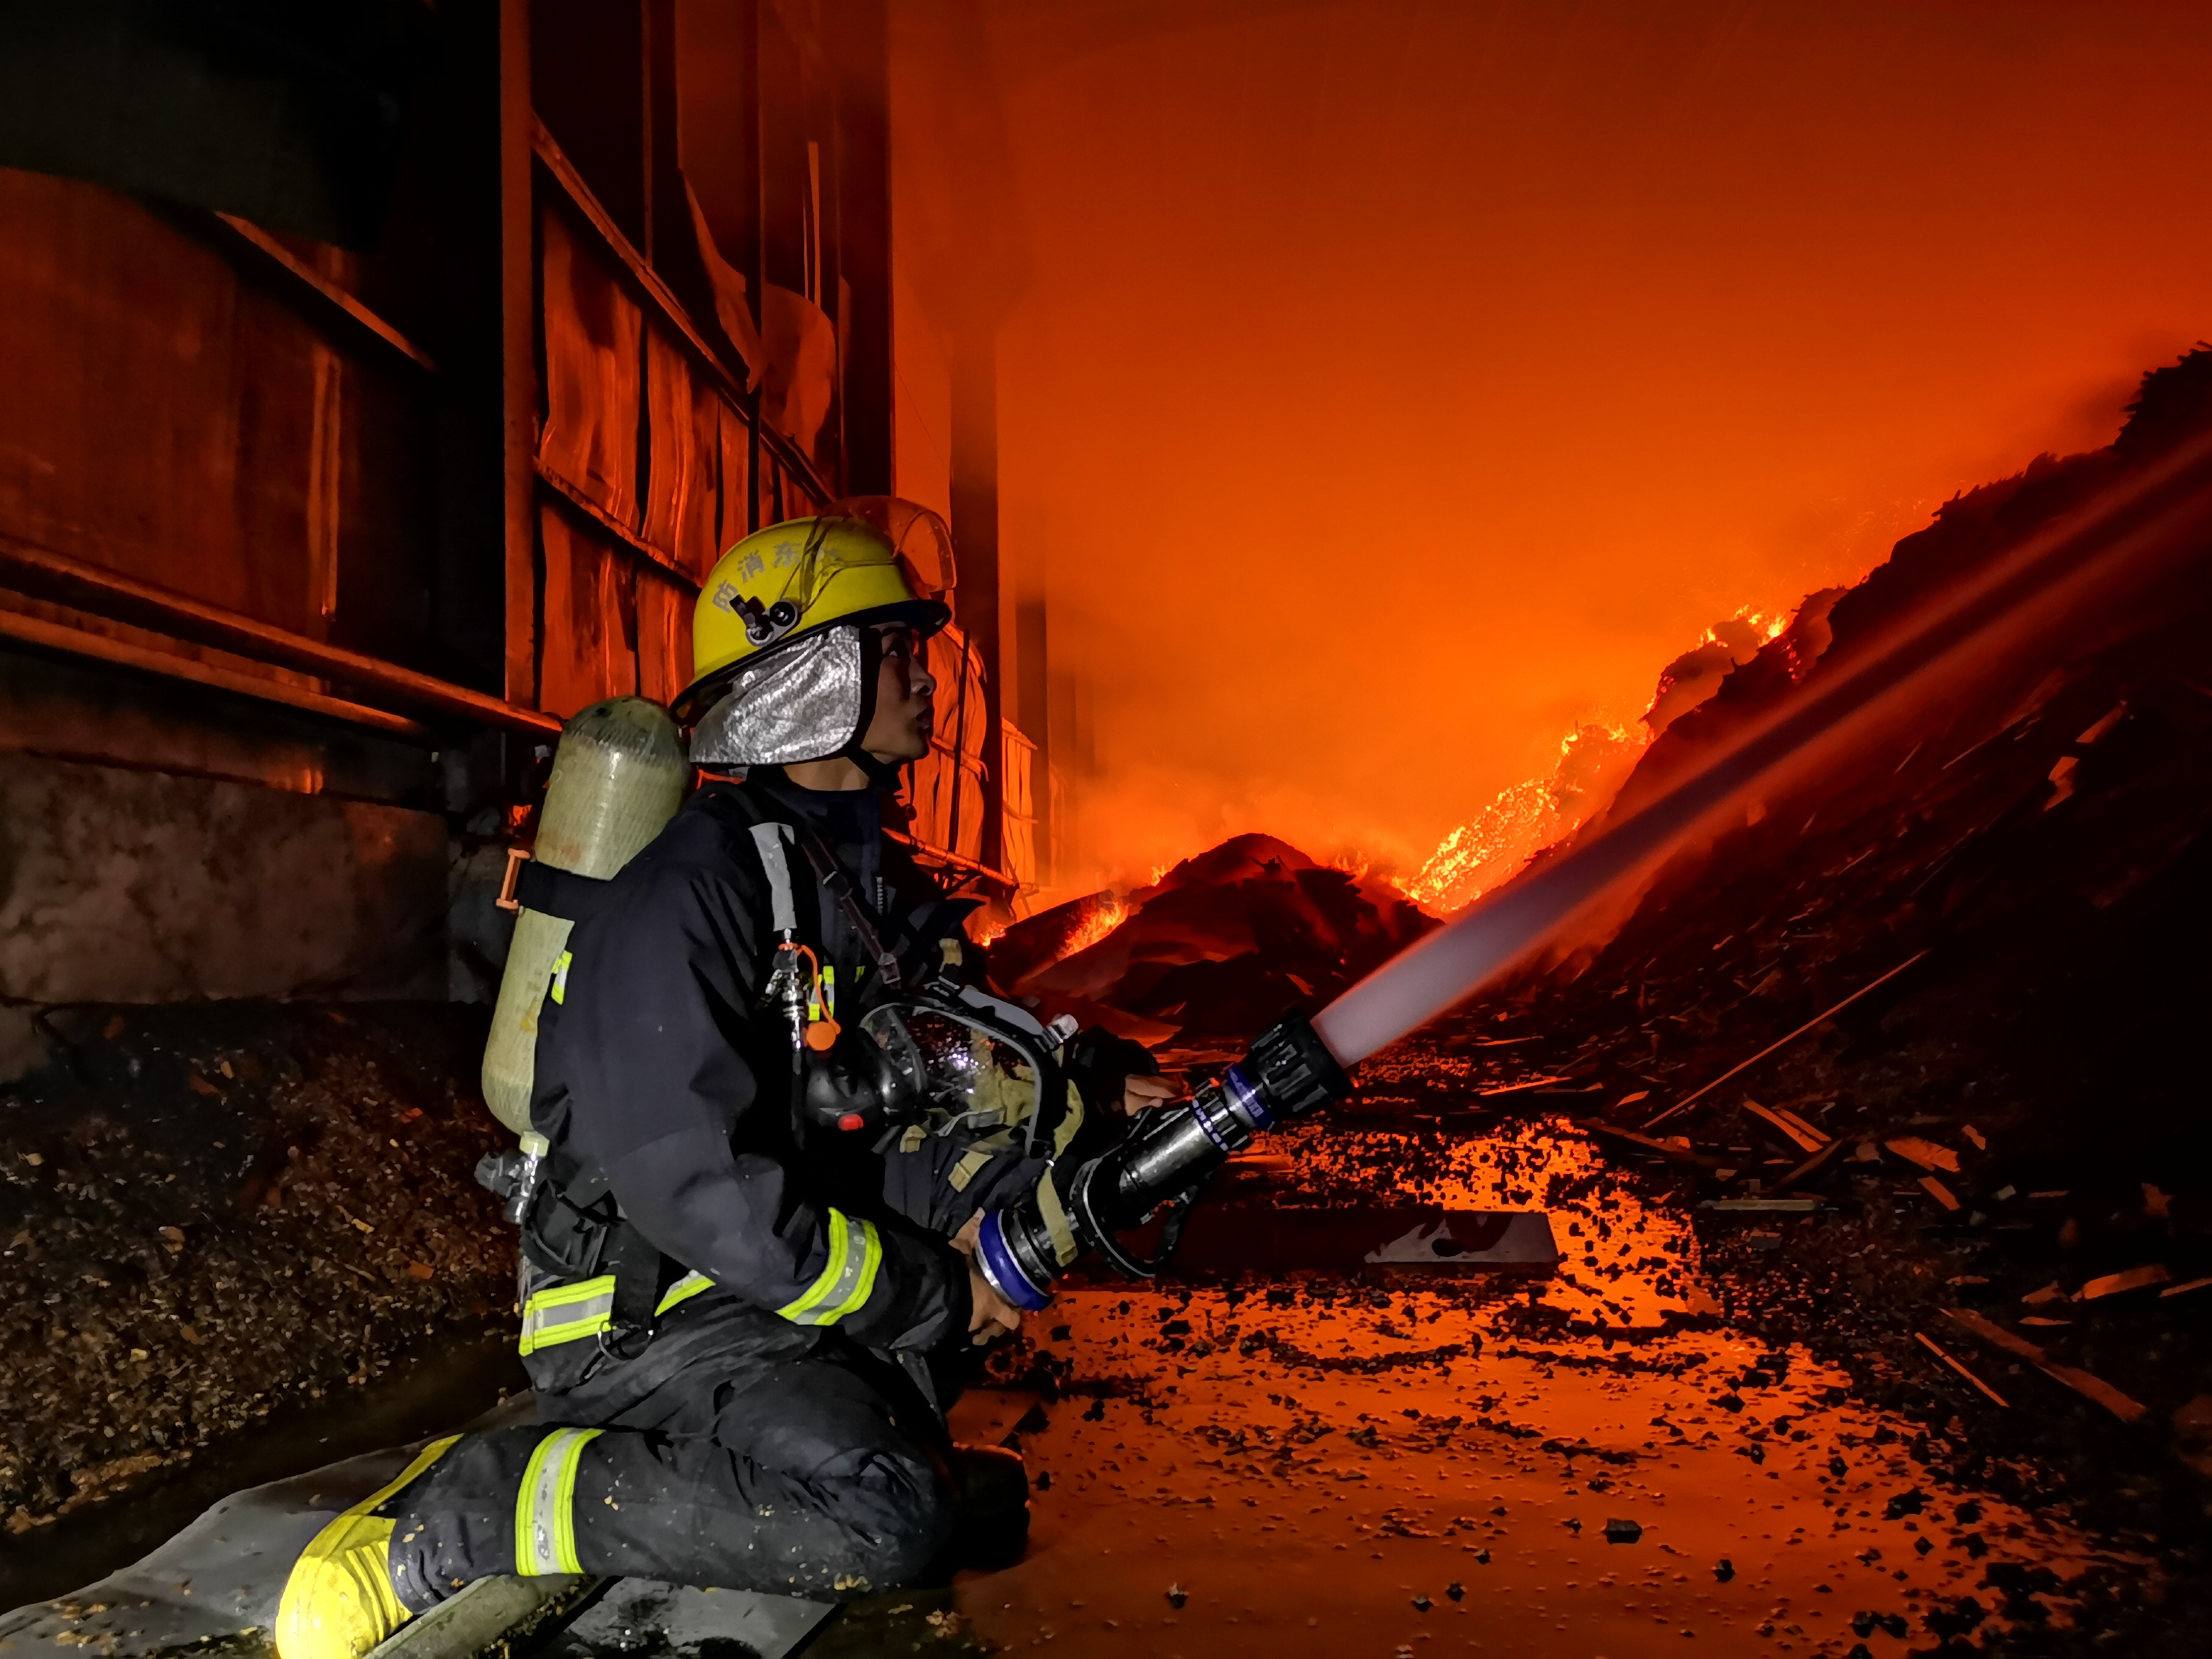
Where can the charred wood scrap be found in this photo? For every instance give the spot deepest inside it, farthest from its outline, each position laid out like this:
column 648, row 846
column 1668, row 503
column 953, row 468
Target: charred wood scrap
column 2088, row 1387
column 1689, row 1100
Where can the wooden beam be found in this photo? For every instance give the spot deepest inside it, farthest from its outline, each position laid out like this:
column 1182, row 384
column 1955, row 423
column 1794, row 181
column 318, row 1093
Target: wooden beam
column 36, row 572
column 659, row 558
column 99, row 648
column 953, row 860
column 1690, row 1100
column 2088, row 1386
column 313, row 293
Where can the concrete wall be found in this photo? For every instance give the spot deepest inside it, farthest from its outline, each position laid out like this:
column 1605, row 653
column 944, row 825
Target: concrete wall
column 162, row 843
column 121, row 886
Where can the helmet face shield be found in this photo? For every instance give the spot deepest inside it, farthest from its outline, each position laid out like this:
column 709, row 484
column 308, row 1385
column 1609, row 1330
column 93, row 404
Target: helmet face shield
column 922, row 541
column 804, row 702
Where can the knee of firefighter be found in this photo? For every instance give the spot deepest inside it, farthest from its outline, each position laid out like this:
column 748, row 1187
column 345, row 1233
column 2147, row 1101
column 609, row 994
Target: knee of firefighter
column 907, row 1533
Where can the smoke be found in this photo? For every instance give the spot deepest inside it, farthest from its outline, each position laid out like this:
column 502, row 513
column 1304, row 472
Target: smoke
column 1387, row 384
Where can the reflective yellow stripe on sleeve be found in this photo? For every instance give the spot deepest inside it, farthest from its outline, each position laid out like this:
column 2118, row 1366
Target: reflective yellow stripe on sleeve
column 848, row 1278
column 563, row 1313
column 545, row 1508
column 562, row 963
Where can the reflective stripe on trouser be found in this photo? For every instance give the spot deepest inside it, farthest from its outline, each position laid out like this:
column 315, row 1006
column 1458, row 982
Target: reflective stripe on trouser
column 738, row 1450
column 545, row 1508
column 563, row 1313
column 566, row 1313
column 856, row 1251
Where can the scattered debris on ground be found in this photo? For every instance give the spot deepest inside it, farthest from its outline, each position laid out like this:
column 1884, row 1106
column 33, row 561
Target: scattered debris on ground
column 211, row 1215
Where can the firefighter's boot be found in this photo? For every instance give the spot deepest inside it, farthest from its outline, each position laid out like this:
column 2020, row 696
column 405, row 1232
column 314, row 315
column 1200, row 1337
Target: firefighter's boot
column 991, row 1525
column 340, row 1602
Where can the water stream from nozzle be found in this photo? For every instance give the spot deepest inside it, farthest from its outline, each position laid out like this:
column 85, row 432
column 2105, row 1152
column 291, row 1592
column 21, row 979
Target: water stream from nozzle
column 2068, row 579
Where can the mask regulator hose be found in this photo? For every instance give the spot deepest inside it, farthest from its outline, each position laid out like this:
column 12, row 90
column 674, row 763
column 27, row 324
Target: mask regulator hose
column 1167, row 1159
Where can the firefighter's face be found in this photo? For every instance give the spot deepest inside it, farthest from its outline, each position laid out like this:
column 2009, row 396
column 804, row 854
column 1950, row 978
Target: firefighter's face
column 905, row 699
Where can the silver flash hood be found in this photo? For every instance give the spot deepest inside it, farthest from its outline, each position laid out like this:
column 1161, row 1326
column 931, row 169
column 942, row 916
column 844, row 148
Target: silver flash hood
column 801, row 701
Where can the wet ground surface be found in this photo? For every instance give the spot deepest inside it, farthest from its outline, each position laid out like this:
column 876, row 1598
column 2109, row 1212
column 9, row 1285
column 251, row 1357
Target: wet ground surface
column 1360, row 1462
column 1347, row 1488
column 1900, row 1076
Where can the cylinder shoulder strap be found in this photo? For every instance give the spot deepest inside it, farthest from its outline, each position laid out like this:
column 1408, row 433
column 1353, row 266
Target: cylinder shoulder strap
column 562, row 893
column 771, row 836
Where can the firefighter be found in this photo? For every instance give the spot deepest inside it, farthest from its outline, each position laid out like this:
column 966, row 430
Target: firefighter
column 745, row 1276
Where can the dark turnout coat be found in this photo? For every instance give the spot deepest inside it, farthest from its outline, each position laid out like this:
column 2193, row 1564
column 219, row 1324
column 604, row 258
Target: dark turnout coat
column 663, row 1085
column 764, row 1414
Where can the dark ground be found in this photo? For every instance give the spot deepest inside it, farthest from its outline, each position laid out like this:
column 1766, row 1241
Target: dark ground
column 240, row 1240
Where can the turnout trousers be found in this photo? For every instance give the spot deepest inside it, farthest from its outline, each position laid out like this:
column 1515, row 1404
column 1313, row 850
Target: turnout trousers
column 737, row 1451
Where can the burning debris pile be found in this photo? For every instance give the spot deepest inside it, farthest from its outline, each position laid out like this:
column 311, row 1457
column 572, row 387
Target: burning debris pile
column 1523, row 819
column 1526, row 820
column 1916, row 1046
column 1215, row 949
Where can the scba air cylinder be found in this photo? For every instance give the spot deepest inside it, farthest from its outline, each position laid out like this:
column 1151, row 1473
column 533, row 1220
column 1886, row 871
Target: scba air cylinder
column 618, row 776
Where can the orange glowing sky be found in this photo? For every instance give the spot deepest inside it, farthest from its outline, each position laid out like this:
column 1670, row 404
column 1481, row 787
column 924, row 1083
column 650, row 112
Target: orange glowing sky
column 1387, row 382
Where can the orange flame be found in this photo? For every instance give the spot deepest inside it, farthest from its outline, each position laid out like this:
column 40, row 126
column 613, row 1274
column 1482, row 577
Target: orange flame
column 1768, row 623
column 1103, row 918
column 1480, row 854
column 1527, row 817
column 1524, row 820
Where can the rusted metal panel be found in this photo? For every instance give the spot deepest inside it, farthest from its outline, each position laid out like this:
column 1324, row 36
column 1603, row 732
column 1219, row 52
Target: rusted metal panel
column 594, row 345
column 946, row 786
column 589, row 626
column 736, row 445
column 683, row 431
column 1018, row 759
column 664, row 637
column 517, row 351
column 166, row 420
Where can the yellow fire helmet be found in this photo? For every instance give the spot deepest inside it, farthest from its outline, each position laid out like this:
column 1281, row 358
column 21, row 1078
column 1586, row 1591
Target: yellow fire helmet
column 781, row 640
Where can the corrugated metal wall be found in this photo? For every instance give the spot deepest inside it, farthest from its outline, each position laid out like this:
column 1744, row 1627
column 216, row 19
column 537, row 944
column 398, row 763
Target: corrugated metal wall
column 303, row 552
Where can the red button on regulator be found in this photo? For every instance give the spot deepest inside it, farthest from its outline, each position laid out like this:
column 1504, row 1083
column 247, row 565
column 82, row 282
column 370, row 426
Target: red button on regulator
column 852, row 1121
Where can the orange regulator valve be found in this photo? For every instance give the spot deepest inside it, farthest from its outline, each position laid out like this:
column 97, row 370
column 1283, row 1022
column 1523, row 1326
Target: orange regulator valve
column 794, row 985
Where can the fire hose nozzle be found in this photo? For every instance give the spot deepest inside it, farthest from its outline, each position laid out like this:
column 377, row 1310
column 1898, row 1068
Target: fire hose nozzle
column 1167, row 1159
